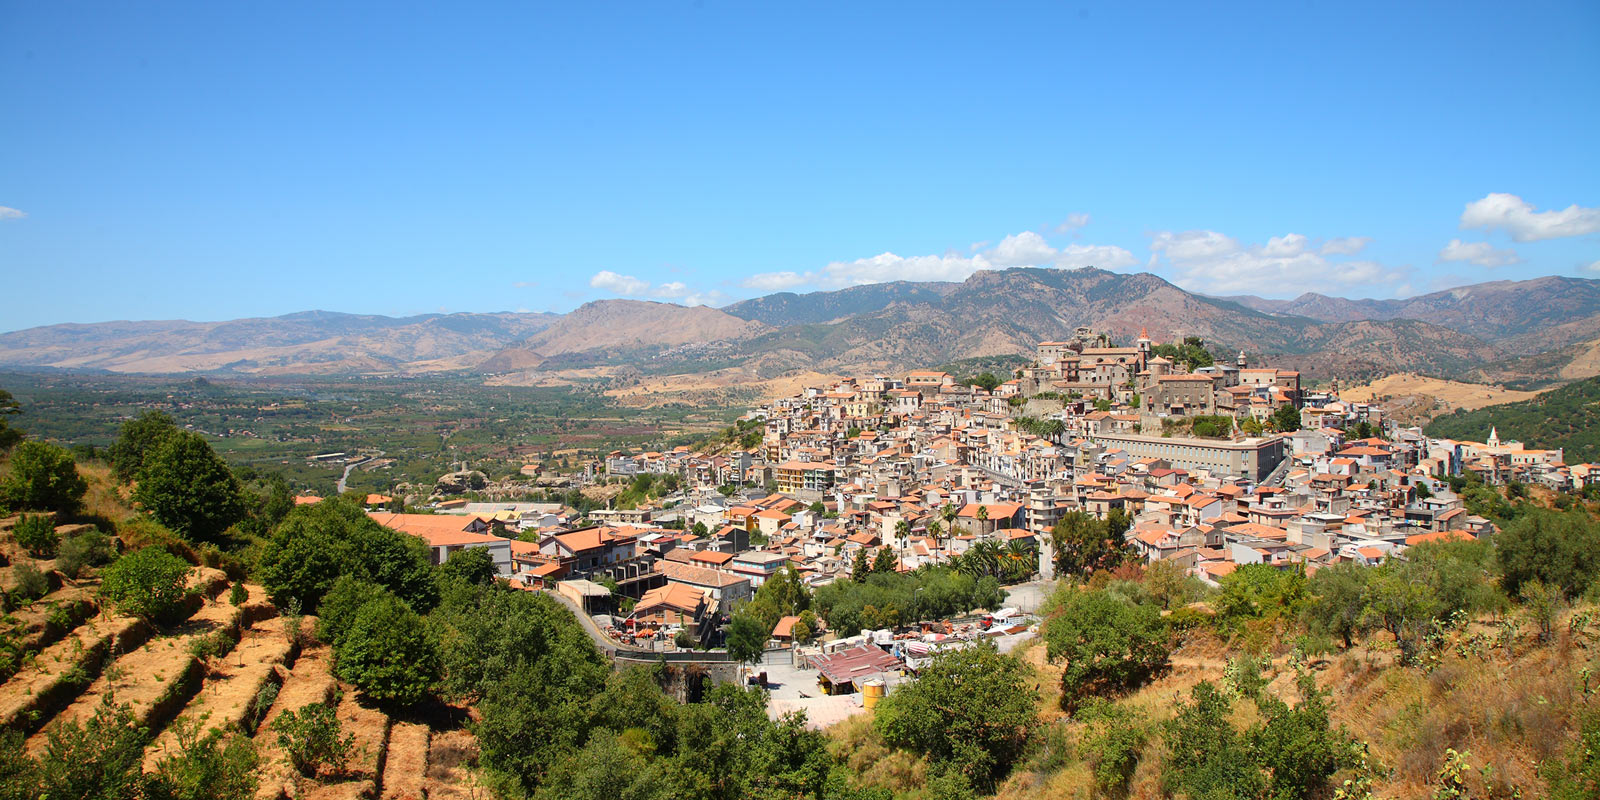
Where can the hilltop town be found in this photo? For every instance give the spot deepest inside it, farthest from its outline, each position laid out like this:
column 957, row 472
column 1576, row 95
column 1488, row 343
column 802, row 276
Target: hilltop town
column 1208, row 467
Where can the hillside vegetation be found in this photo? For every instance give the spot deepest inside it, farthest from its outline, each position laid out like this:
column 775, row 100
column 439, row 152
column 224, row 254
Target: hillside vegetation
column 1568, row 418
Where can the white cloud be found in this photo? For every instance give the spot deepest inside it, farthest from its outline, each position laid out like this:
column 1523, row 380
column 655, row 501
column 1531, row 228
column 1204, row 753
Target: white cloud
column 629, row 286
column 1022, row 249
column 1287, row 246
column 7, row 212
column 1073, row 222
column 1345, row 245
column 1516, row 216
column 671, row 289
column 1025, row 249
column 1104, row 256
column 1214, row 263
column 1594, row 268
column 776, row 281
column 1481, row 253
column 525, row 284
column 618, row 284
column 886, row 267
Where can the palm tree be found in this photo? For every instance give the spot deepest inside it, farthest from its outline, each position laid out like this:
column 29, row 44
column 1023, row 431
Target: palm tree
column 934, row 530
column 1019, row 553
column 984, row 557
column 983, row 516
column 1052, row 429
column 949, row 513
column 902, row 530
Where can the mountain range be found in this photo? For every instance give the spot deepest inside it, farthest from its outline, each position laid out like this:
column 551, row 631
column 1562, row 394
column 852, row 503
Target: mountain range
column 1539, row 327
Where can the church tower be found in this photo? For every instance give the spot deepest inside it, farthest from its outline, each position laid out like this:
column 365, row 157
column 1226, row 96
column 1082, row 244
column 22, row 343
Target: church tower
column 1241, row 362
column 1494, row 437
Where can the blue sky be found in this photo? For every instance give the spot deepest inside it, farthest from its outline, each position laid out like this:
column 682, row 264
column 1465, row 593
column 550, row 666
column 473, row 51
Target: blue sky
column 221, row 160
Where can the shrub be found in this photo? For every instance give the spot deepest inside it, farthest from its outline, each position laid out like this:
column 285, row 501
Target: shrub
column 205, row 766
column 86, row 549
column 147, row 584
column 43, row 478
column 237, row 595
column 313, row 737
column 36, row 533
column 99, row 758
column 261, row 704
column 29, row 584
column 341, row 604
column 1577, row 777
column 387, row 652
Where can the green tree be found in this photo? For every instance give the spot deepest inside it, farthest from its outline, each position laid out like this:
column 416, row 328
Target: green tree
column 1286, row 419
column 985, row 380
column 1108, row 643
column 473, row 565
column 149, row 583
column 1559, row 549
column 189, row 488
column 1338, row 600
column 606, row 768
column 747, row 638
column 387, row 653
column 1169, row 585
column 1400, row 601
column 972, row 709
column 9, row 436
column 1085, row 545
column 337, row 612
column 315, row 544
column 43, row 478
column 860, row 567
column 1261, row 591
column 138, row 438
column 1207, row 758
column 805, row 628
column 884, row 561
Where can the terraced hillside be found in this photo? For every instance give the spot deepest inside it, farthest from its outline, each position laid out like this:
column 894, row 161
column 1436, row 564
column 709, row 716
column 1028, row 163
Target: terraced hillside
column 229, row 663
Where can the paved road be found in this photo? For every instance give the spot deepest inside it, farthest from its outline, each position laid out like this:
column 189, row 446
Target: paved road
column 1030, row 596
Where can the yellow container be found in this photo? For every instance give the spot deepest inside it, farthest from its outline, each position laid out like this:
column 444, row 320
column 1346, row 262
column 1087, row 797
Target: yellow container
column 871, row 693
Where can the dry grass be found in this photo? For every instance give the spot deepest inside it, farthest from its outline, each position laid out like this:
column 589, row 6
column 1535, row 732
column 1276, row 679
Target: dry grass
column 857, row 744
column 107, row 501
column 1509, row 708
column 1397, row 392
column 405, row 769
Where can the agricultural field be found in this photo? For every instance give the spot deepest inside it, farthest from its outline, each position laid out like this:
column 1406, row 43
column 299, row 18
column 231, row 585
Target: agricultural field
column 415, row 428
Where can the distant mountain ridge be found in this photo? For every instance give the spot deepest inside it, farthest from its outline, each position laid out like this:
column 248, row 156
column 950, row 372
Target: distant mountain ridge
column 1461, row 332
column 1522, row 316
